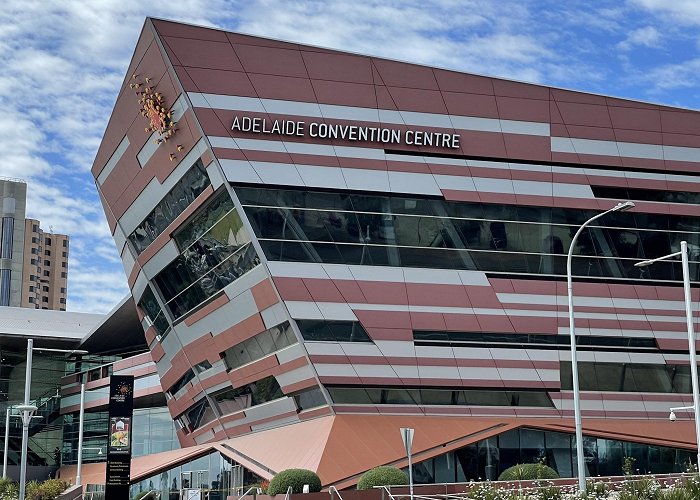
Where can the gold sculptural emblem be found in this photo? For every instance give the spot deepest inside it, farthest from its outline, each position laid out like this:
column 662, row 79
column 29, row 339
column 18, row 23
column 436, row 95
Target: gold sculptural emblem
column 153, row 108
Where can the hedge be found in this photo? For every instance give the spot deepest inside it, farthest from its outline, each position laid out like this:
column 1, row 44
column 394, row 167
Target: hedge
column 525, row 472
column 382, row 476
column 296, row 478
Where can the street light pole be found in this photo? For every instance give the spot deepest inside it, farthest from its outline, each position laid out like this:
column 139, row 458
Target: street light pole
column 26, row 419
column 572, row 334
column 27, row 411
column 691, row 335
column 7, row 442
column 80, row 435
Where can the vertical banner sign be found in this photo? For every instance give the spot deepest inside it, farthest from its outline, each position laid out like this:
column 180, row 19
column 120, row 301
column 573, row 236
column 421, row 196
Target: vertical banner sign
column 121, row 409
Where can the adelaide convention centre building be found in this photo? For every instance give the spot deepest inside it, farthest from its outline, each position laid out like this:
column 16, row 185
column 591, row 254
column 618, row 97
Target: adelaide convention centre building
column 324, row 247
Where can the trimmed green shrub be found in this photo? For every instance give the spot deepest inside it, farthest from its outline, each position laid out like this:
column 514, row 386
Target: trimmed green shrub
column 296, row 478
column 48, row 490
column 8, row 488
column 528, row 472
column 382, row 476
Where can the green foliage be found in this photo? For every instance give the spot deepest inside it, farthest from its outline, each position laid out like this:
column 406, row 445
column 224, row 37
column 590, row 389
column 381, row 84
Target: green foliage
column 692, row 486
column 628, row 465
column 641, row 489
column 487, row 491
column 382, row 476
column 48, row 490
column 8, row 489
column 528, row 472
column 296, row 478
column 546, row 490
column 596, row 489
column 676, row 494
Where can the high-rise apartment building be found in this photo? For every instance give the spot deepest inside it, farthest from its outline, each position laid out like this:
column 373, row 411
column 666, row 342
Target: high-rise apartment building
column 33, row 263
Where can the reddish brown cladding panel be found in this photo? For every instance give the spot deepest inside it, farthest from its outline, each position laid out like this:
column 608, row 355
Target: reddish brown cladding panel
column 110, row 139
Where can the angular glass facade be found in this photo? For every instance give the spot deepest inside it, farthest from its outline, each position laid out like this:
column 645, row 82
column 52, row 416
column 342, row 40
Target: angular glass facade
column 215, row 250
column 361, row 229
column 486, row 459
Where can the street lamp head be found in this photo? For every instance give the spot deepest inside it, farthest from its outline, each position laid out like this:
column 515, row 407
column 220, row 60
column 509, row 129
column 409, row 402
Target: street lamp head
column 621, row 207
column 672, row 416
column 29, row 408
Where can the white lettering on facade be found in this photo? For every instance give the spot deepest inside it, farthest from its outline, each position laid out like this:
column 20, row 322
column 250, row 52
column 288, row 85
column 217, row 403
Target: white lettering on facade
column 335, row 131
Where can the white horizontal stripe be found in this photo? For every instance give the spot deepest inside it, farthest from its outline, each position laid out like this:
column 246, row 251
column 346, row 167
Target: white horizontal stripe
column 627, row 149
column 391, row 181
column 377, row 273
column 617, row 303
column 314, row 110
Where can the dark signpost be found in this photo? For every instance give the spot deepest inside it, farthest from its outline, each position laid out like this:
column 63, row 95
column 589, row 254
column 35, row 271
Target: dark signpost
column 121, row 409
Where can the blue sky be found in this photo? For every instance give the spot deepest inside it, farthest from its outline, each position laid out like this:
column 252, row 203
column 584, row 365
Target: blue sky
column 62, row 62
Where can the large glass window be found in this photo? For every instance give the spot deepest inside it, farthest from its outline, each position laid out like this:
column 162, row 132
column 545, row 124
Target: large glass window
column 628, row 377
column 253, row 394
column 215, row 474
column 333, row 331
column 337, row 227
column 437, row 396
column 259, row 346
column 215, row 250
column 8, row 228
column 585, row 342
column 155, row 314
column 487, row 458
column 175, row 202
column 5, row 275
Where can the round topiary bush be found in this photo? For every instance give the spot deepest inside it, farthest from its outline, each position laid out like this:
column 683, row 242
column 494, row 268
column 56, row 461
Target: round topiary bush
column 528, row 472
column 382, row 476
column 296, row 478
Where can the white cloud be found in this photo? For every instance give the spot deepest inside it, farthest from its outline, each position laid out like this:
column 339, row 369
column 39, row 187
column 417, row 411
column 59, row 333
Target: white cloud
column 63, row 62
column 644, row 37
column 686, row 12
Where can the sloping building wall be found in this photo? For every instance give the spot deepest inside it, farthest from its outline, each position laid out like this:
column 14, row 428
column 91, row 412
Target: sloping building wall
column 313, row 232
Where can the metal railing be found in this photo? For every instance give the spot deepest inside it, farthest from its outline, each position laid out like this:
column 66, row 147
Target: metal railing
column 465, row 491
column 332, row 489
column 258, row 491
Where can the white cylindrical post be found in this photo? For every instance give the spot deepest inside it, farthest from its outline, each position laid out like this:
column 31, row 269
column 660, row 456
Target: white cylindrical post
column 691, row 343
column 581, row 466
column 80, row 435
column 7, row 442
column 26, row 418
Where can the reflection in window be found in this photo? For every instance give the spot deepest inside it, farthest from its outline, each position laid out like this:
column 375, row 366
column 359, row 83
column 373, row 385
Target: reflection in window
column 257, row 347
column 345, row 228
column 188, row 376
column 219, row 476
column 6, row 237
column 5, row 281
column 192, row 184
column 332, row 331
column 623, row 193
column 253, row 394
column 486, row 459
column 309, row 398
column 215, row 250
column 150, row 306
column 437, row 396
column 456, row 339
column 628, row 377
column 200, row 415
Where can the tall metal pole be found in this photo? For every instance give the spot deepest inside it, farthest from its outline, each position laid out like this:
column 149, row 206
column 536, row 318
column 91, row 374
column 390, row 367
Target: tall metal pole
column 581, row 466
column 26, row 418
column 7, row 442
column 80, row 435
column 691, row 343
